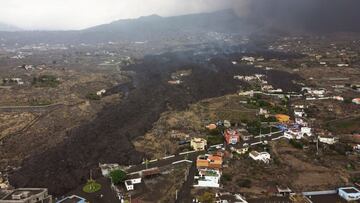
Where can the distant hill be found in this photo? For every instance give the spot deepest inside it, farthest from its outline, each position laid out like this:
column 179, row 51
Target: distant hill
column 8, row 28
column 156, row 27
column 150, row 28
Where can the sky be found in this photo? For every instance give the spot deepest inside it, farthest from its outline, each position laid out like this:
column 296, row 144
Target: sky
column 79, row 14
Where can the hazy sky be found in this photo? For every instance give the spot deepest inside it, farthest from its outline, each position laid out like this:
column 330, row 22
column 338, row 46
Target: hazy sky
column 77, row 14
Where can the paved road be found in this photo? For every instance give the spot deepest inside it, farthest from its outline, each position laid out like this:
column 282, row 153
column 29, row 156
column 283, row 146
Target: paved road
column 164, row 162
column 30, row 108
column 184, row 195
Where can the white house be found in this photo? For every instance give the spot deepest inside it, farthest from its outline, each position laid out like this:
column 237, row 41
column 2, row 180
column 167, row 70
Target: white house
column 208, row 178
column 248, row 59
column 299, row 113
column 293, row 133
column 107, row 168
column 342, row 65
column 328, row 140
column 349, row 193
column 305, row 130
column 300, row 121
column 101, row 92
column 356, row 101
column 240, row 149
column 131, row 181
column 339, row 98
column 260, row 156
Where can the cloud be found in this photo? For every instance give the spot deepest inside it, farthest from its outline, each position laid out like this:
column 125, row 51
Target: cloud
column 77, row 14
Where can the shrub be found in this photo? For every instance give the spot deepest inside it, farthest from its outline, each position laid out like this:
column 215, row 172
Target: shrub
column 207, row 197
column 215, row 139
column 296, row 144
column 226, row 177
column 93, row 96
column 244, row 183
column 117, row 176
column 46, row 81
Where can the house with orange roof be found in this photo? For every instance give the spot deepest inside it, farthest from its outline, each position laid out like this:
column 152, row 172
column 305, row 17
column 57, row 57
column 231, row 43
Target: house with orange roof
column 209, row 161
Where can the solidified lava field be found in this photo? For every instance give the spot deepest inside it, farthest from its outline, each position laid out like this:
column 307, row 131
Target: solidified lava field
column 107, row 139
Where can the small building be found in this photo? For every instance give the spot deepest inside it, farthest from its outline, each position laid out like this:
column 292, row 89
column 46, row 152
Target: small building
column 282, row 118
column 306, row 131
column 231, row 136
column 211, row 127
column 132, row 180
column 260, row 156
column 72, row 199
column 248, row 59
column 349, row 193
column 283, row 191
column 301, row 121
column 245, row 135
column 198, row 144
column 239, row 149
column 330, row 140
column 263, row 111
column 299, row 113
column 208, row 178
column 150, row 172
column 227, row 124
column 356, row 101
column 101, row 92
column 293, row 133
column 27, row 195
column 338, row 98
column 107, row 168
column 174, row 82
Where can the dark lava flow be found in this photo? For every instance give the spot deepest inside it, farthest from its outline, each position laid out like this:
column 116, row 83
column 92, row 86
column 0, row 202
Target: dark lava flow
column 107, row 139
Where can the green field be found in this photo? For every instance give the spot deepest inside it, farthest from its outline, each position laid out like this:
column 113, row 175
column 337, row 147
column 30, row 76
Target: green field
column 91, row 187
column 346, row 126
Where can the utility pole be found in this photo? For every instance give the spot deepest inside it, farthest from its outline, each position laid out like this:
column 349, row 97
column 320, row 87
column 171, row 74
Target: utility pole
column 317, row 145
column 91, row 174
column 176, row 194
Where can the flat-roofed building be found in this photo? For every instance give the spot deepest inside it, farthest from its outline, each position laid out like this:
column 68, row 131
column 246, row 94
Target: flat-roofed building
column 27, row 195
column 198, row 144
column 349, row 193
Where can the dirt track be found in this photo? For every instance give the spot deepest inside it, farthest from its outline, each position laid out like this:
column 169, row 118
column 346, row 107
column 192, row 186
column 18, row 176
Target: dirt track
column 107, row 138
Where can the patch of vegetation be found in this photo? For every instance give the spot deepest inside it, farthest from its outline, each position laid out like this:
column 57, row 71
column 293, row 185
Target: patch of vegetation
column 38, row 102
column 269, row 119
column 348, row 126
column 217, row 131
column 226, row 177
column 253, row 127
column 206, row 197
column 215, row 140
column 244, row 183
column 93, row 96
column 91, row 186
column 45, row 81
column 117, row 176
column 296, row 144
column 341, row 148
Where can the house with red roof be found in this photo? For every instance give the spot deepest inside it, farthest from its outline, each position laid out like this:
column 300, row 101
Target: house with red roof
column 232, row 136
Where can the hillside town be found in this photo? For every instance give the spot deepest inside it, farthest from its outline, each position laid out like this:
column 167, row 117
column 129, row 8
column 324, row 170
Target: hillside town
column 250, row 146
